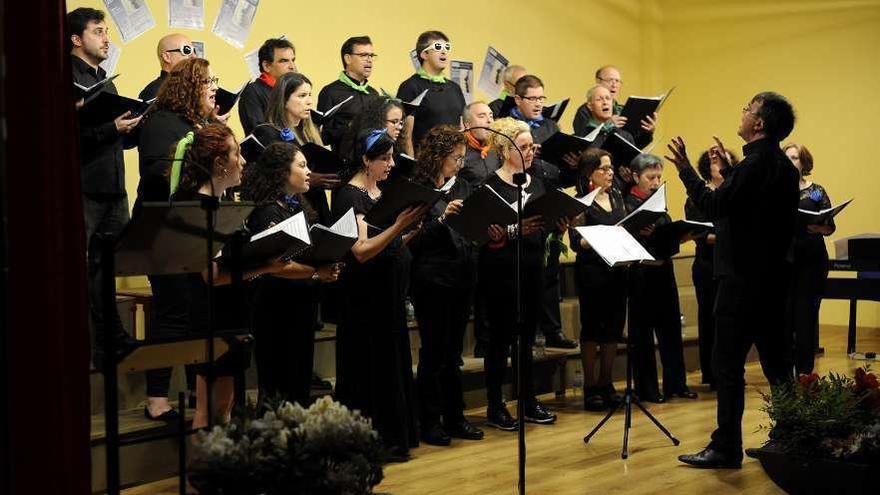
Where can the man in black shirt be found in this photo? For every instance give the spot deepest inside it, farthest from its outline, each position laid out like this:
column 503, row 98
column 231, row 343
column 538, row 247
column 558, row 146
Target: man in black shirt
column 105, row 202
column 530, row 101
column 444, row 101
column 754, row 213
column 171, row 49
column 357, row 66
column 276, row 58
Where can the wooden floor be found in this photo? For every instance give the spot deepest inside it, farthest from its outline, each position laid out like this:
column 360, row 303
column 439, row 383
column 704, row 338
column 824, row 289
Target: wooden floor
column 560, row 463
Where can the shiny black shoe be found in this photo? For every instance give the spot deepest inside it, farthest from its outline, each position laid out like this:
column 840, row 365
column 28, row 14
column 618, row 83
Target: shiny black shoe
column 499, row 417
column 435, row 435
column 657, row 398
column 710, row 458
column 169, row 415
column 684, row 394
column 464, row 429
column 559, row 341
column 535, row 412
column 594, row 400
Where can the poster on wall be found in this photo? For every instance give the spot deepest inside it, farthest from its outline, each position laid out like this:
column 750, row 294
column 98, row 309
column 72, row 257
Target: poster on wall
column 252, row 60
column 109, row 64
column 462, row 73
column 132, row 17
column 199, row 48
column 414, row 58
column 188, row 14
column 492, row 76
column 234, row 21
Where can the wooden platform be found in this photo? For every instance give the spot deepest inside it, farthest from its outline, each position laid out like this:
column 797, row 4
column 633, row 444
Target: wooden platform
column 560, row 463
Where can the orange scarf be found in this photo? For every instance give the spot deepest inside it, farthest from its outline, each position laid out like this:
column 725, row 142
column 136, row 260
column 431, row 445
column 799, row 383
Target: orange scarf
column 475, row 144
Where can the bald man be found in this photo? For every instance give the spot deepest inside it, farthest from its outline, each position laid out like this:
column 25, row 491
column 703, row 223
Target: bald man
column 511, row 75
column 171, row 49
column 608, row 76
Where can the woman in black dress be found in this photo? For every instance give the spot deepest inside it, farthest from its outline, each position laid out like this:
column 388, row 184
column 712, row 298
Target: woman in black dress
column 284, row 309
column 443, row 278
column 601, row 289
column 810, row 268
column 373, row 361
column 496, row 274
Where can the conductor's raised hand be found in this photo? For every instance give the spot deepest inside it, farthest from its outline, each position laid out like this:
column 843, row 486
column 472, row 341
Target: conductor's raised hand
column 723, row 155
column 532, row 224
column 679, row 154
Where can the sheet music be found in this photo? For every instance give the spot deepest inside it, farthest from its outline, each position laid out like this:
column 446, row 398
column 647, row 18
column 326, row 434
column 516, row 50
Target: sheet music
column 614, row 244
column 294, row 226
column 414, row 59
column 188, row 14
column 234, row 21
column 448, row 185
column 492, row 75
column 656, row 203
column 333, row 109
column 199, row 48
column 588, row 199
column 462, row 73
column 112, row 60
column 132, row 17
column 418, row 99
column 346, row 225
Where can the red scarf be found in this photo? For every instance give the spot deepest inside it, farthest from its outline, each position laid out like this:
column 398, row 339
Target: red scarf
column 268, row 79
column 635, row 191
column 475, row 144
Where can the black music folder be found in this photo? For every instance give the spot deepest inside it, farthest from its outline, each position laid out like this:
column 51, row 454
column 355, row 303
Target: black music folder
column 322, row 160
column 480, row 210
column 398, row 196
column 88, row 93
column 553, row 205
column 554, row 148
column 647, row 213
column 331, row 244
column 225, row 100
column 680, row 228
column 622, row 151
column 251, row 148
column 320, row 118
column 404, row 167
column 105, row 107
column 282, row 240
column 638, row 107
column 554, row 112
column 821, row 217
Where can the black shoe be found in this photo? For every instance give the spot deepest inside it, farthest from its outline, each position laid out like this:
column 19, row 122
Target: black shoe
column 710, row 458
column 535, row 412
column 684, row 394
column 594, row 399
column 464, row 430
column 169, row 415
column 610, row 395
column 499, row 417
column 560, row 341
column 434, row 435
column 397, row 455
column 655, row 398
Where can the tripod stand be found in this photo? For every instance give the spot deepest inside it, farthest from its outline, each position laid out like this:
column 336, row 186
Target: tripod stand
column 629, row 398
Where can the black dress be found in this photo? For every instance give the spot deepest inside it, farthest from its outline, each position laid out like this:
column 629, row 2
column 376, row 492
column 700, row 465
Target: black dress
column 809, row 271
column 443, row 278
column 654, row 309
column 601, row 289
column 284, row 314
column 496, row 277
column 706, row 287
column 373, row 360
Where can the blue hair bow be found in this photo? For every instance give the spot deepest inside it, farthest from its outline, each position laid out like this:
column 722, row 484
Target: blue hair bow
column 374, row 136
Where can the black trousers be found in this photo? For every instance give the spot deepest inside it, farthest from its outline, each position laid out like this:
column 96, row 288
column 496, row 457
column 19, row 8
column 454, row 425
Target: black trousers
column 283, row 322
column 501, row 305
column 747, row 312
column 802, row 315
column 705, row 287
column 550, row 322
column 442, row 315
column 654, row 309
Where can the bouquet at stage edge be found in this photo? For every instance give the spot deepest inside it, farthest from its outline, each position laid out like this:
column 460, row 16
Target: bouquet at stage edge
column 833, row 416
column 325, row 449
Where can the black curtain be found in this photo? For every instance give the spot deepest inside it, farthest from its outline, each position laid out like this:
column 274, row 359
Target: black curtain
column 44, row 342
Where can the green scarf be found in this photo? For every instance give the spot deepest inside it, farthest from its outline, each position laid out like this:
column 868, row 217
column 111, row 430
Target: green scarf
column 182, row 145
column 343, row 77
column 503, row 95
column 435, row 79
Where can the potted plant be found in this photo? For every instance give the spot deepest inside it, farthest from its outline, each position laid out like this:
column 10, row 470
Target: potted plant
column 325, row 449
column 824, row 434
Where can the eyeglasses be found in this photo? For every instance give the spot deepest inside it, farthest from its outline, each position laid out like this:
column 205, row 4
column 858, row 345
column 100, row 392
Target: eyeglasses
column 184, row 50
column 528, row 147
column 459, row 160
column 535, row 99
column 437, row 46
column 611, row 80
column 396, row 122
column 605, row 169
column 214, row 81
column 366, row 56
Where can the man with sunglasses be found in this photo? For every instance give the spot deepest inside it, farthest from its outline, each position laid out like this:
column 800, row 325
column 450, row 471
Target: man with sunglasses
column 529, row 99
column 171, row 49
column 444, row 101
column 357, row 66
column 608, row 76
column 276, row 57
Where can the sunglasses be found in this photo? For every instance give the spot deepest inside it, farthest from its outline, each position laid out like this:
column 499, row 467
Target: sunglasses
column 437, row 46
column 185, row 50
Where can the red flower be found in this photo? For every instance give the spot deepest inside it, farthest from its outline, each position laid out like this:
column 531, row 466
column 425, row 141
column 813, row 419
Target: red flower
column 807, row 380
column 865, row 381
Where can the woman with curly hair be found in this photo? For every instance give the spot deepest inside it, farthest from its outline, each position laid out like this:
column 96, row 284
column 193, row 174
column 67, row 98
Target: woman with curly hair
column 185, row 103
column 496, row 277
column 373, row 362
column 442, row 284
column 284, row 307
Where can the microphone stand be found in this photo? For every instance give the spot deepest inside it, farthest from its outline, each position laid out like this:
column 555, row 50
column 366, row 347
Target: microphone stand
column 519, row 179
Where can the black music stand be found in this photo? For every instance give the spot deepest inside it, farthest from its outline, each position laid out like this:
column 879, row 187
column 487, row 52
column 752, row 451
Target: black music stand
column 163, row 238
